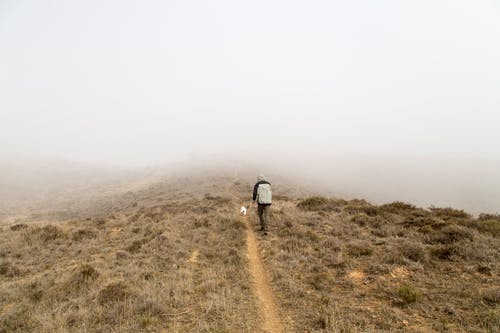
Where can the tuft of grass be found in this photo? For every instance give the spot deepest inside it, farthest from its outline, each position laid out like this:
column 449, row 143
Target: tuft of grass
column 359, row 248
column 84, row 274
column 7, row 269
column 82, row 234
column 490, row 320
column 135, row 246
column 408, row 294
column 34, row 291
column 114, row 292
column 491, row 296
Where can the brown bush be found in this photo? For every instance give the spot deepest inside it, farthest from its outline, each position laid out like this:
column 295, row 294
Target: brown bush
column 359, row 248
column 85, row 273
column 490, row 226
column 320, row 204
column 398, row 207
column 83, row 234
column 491, row 296
column 16, row 318
column 17, row 227
column 135, row 246
column 361, row 219
column 407, row 250
column 34, row 291
column 449, row 213
column 46, row 233
column 484, row 216
column 7, row 269
column 366, row 209
column 445, row 252
column 120, row 254
column 452, row 233
column 331, row 244
column 149, row 307
column 114, row 292
column 420, row 222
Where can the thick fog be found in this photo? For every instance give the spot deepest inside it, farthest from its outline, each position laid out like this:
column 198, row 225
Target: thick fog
column 393, row 85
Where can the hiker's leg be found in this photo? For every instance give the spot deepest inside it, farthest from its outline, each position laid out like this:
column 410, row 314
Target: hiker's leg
column 260, row 211
column 265, row 218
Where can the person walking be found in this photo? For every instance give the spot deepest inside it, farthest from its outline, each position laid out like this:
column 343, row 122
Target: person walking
column 263, row 195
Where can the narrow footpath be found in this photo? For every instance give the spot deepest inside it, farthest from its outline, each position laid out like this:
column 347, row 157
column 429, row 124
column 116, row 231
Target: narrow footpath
column 261, row 288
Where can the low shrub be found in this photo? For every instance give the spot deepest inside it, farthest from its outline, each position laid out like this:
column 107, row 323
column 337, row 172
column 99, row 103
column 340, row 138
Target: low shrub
column 135, row 246
column 7, row 269
column 452, row 233
column 490, row 226
column 17, row 227
column 449, row 213
column 398, row 207
column 407, row 250
column 445, row 252
column 114, row 292
column 491, row 296
column 359, row 248
column 85, row 273
column 46, row 233
column 483, row 217
column 320, row 204
column 83, row 234
column 366, row 209
column 408, row 294
column 17, row 318
column 34, row 291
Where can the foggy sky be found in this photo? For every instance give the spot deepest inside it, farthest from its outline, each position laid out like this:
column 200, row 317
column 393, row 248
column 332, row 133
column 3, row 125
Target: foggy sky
column 142, row 82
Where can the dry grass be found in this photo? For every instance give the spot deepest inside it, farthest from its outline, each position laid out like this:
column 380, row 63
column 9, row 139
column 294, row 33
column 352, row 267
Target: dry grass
column 171, row 258
column 357, row 267
column 130, row 271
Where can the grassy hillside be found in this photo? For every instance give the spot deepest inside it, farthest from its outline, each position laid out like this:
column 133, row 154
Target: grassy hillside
column 349, row 266
column 173, row 258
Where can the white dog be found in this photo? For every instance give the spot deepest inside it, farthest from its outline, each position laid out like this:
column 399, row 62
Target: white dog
column 243, row 210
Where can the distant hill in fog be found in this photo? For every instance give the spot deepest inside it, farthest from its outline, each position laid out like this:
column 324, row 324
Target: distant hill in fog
column 473, row 185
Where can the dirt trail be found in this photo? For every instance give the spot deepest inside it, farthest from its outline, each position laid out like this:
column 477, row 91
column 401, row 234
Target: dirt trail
column 260, row 283
column 261, row 288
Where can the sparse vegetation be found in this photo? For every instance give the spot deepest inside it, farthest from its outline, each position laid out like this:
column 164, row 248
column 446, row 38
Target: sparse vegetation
column 165, row 260
column 371, row 268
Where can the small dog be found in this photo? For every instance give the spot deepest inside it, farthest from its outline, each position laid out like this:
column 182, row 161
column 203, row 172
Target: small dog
column 243, row 210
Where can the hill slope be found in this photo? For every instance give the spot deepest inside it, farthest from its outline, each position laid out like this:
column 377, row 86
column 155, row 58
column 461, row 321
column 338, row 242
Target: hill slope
column 173, row 257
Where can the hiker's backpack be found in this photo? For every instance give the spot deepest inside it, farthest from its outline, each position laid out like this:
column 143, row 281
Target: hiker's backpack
column 264, row 194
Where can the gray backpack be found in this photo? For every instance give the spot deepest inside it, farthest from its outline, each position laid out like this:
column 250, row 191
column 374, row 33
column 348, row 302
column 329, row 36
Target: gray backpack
column 264, row 194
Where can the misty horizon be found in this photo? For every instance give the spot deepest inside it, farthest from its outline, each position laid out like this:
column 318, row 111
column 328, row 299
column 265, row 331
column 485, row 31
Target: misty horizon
column 388, row 92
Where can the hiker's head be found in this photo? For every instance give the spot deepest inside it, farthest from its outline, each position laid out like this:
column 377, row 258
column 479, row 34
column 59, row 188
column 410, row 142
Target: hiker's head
column 261, row 177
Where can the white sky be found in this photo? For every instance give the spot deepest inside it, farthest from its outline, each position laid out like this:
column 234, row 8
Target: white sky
column 139, row 82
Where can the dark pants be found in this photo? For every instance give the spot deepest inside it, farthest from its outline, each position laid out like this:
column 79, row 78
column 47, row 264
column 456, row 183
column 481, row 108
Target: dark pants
column 263, row 211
